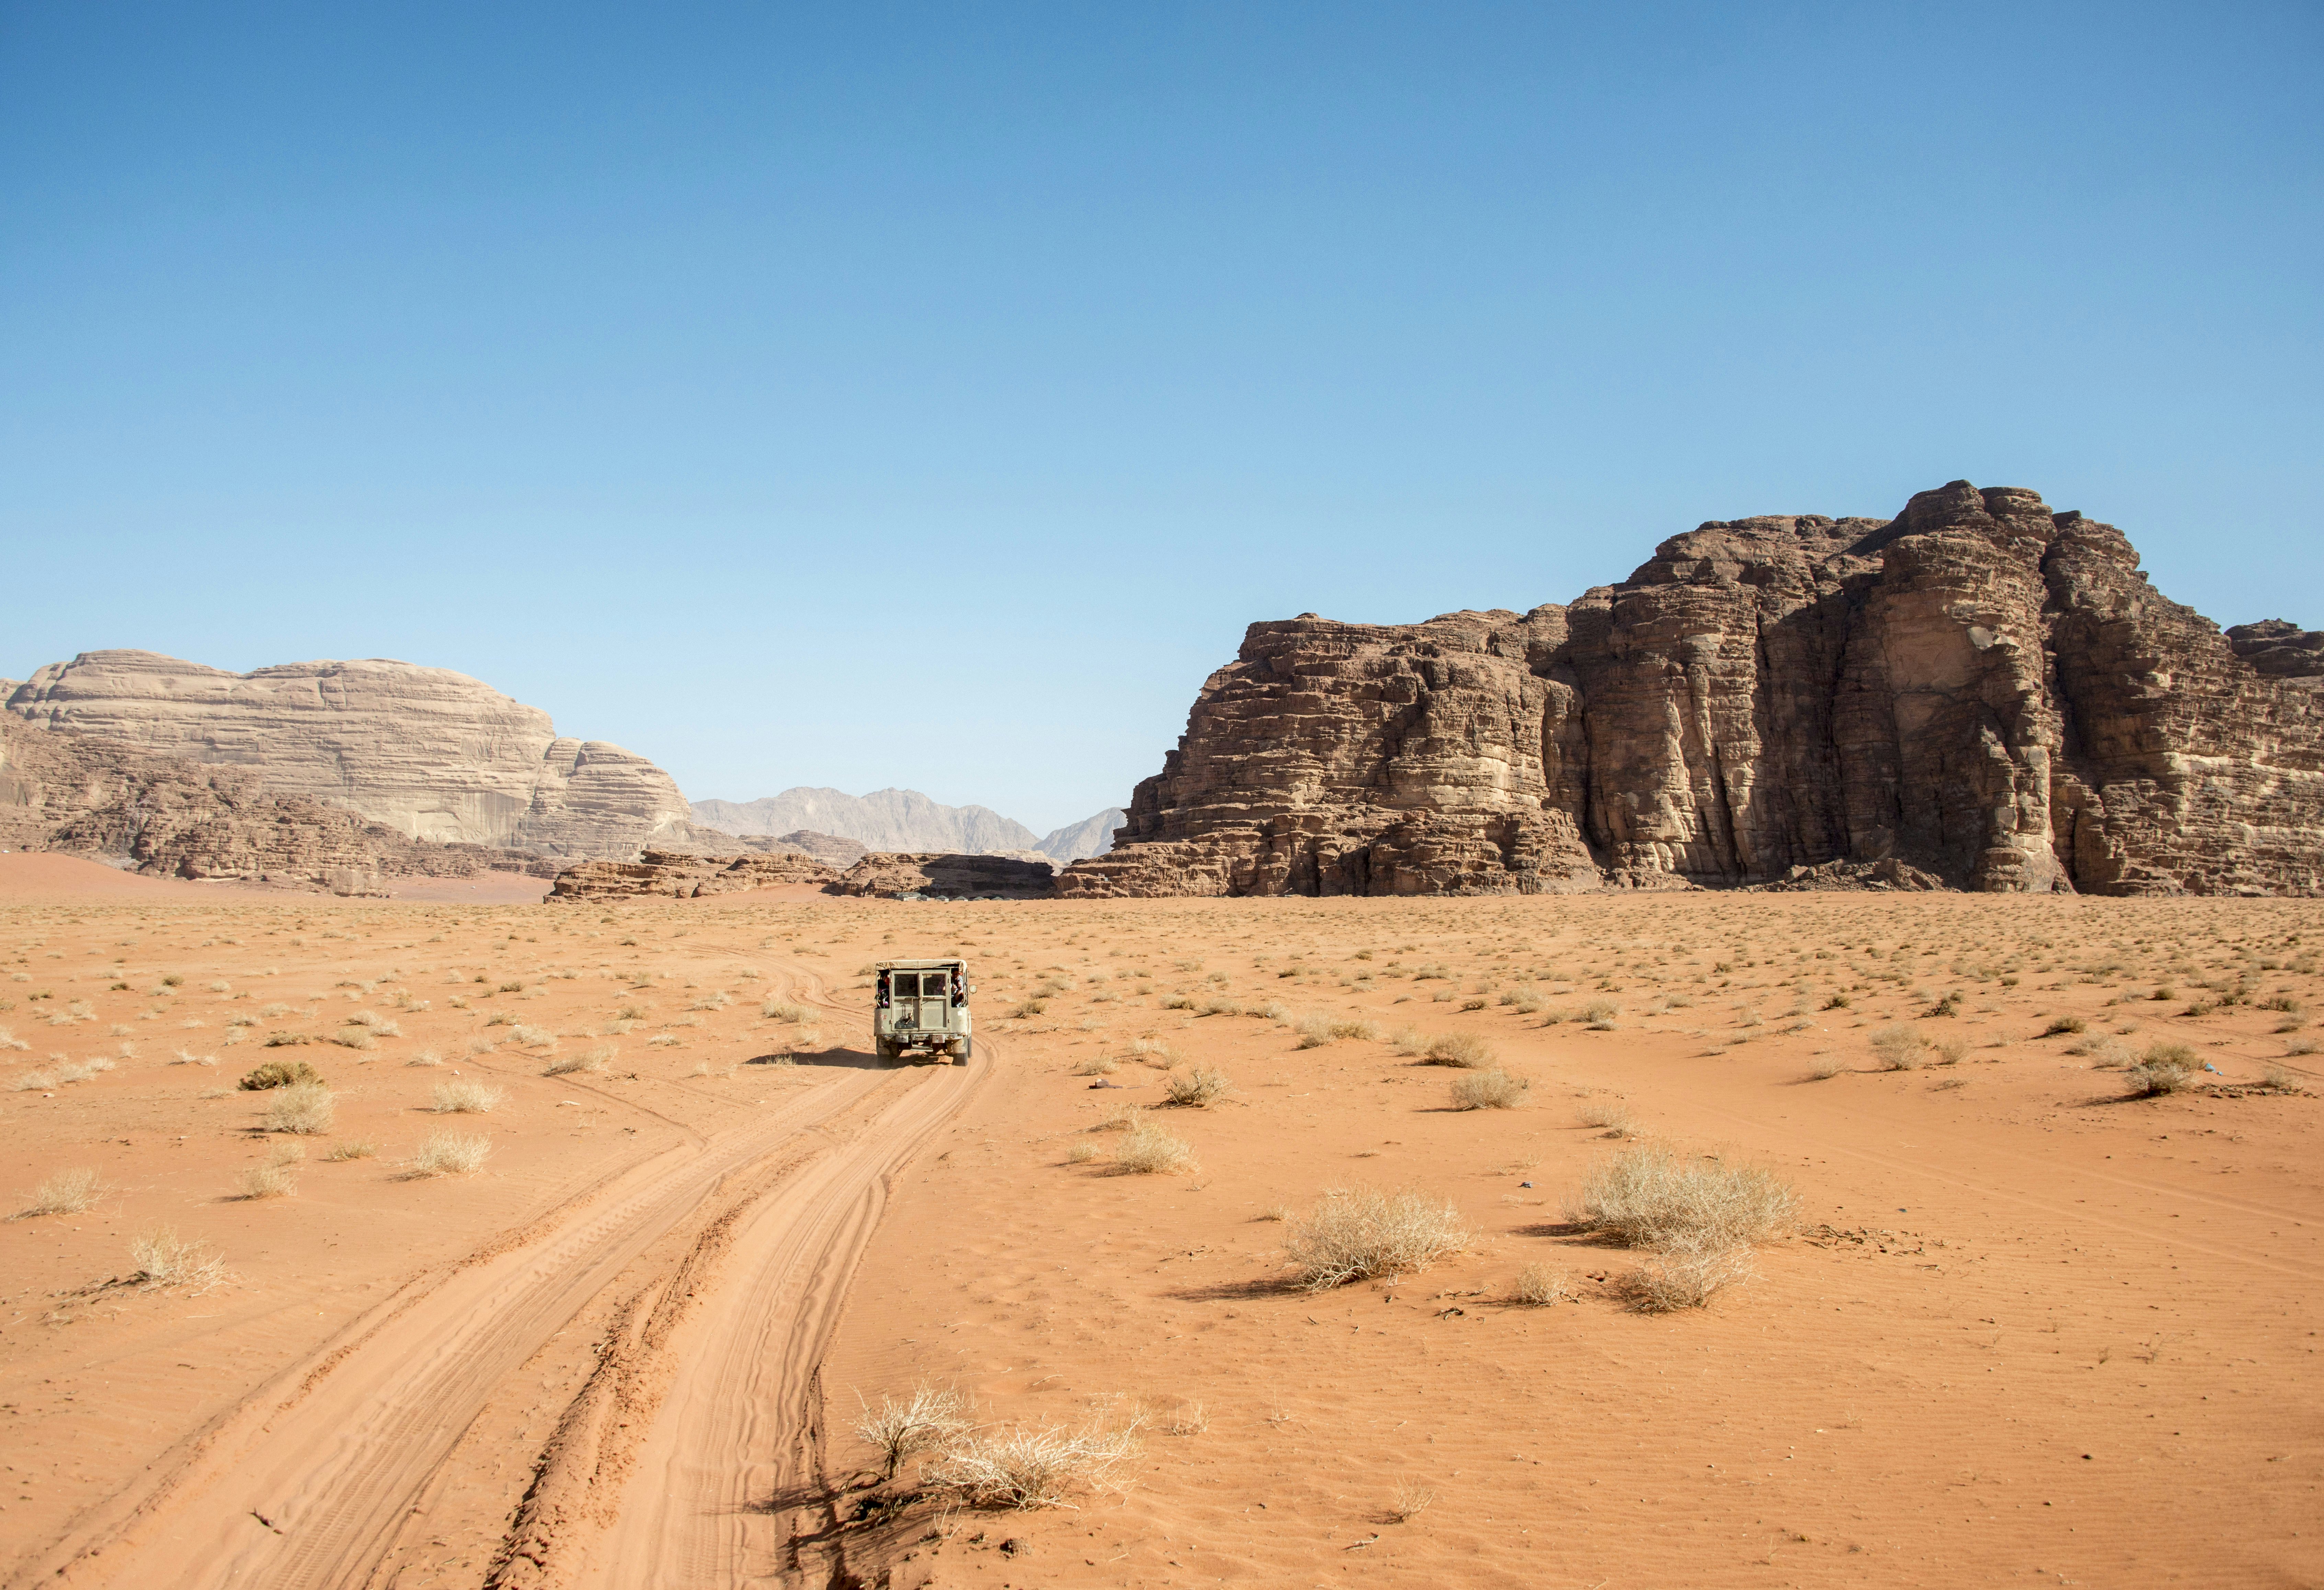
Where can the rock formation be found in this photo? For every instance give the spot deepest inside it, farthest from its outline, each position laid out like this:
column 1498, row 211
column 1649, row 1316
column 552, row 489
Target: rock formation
column 829, row 849
column 431, row 753
column 684, row 876
column 1981, row 690
column 884, row 820
column 947, row 877
column 169, row 817
column 1077, row 841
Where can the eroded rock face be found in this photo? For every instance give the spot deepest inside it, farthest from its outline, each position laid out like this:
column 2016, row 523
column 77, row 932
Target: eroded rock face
column 1981, row 690
column 685, row 875
column 431, row 753
column 947, row 877
column 168, row 817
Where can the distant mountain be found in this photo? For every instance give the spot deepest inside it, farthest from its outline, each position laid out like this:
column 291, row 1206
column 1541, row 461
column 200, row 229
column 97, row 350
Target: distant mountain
column 1091, row 836
column 903, row 820
column 884, row 820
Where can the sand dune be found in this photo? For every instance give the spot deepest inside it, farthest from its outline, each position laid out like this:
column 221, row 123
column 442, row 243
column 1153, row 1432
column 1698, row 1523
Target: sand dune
column 627, row 1348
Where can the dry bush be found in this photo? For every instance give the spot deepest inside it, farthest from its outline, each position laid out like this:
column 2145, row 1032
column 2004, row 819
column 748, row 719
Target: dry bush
column 1601, row 1014
column 279, row 1073
column 426, row 1057
column 449, row 1154
column 2164, row 1068
column 1686, row 1275
column 2106, row 1054
column 1097, row 1065
column 898, row 1429
column 2065, row 1024
column 466, row 1097
column 1408, row 1042
column 1192, row 1419
column 1646, row 1197
column 356, row 1038
column 1823, row 1068
column 773, row 1010
column 2282, row 1079
column 1152, row 1051
column 1276, row 1211
column 532, row 1037
column 1540, row 1286
column 353, row 1148
column 1490, row 1089
column 303, row 1108
column 1901, row 1047
column 274, row 1178
column 1198, row 1087
column 1613, row 1118
column 1412, row 1500
column 1461, row 1049
column 158, row 1261
column 1081, row 1154
column 1361, row 1233
column 592, row 1060
column 68, row 1192
column 1146, row 1150
column 9, row 1039
column 1019, row 1467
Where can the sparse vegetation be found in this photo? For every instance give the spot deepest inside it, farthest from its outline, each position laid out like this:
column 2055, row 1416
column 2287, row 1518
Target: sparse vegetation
column 466, row 1097
column 592, row 1060
column 1459, row 1049
column 1647, row 1197
column 1901, row 1047
column 161, row 1260
column 275, row 1177
column 1358, row 1234
column 1609, row 1117
column 2164, row 1068
column 899, row 1429
column 303, row 1108
column 353, row 1148
column 68, row 1192
column 1412, row 1500
column 450, row 1153
column 1146, row 1150
column 1020, row 1468
column 1686, row 1275
column 1490, row 1089
column 1541, row 1285
column 1198, row 1087
column 2065, row 1024
column 279, row 1073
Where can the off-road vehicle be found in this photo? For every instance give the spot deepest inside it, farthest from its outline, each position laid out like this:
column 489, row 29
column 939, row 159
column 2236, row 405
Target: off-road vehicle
column 921, row 1008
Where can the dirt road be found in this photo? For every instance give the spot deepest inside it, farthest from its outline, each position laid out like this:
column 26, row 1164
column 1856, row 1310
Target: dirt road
column 306, row 1484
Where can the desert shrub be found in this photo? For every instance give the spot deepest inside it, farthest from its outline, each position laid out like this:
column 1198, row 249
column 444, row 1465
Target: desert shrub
column 1021, row 1469
column 1646, row 1197
column 1356, row 1235
column 158, row 1260
column 274, row 1179
column 1412, row 1499
column 1825, row 1067
column 466, row 1097
column 1461, row 1049
column 718, row 1001
column 2164, row 1068
column 1097, row 1065
column 68, row 1192
column 1152, row 1051
column 1901, row 1047
column 1686, row 1275
column 279, row 1073
column 1490, row 1089
column 1314, row 1032
column 353, row 1148
column 773, row 1010
column 1837, row 1002
column 1036, row 1007
column 1540, row 1285
column 1081, row 1154
column 302, row 1107
column 592, row 1060
column 288, row 1040
column 31, row 1082
column 1600, row 1013
column 898, row 1429
column 2065, row 1024
column 426, row 1057
column 1199, row 1087
column 2282, row 1079
column 532, row 1037
column 1146, row 1150
column 450, row 1153
column 1613, row 1117
column 355, row 1038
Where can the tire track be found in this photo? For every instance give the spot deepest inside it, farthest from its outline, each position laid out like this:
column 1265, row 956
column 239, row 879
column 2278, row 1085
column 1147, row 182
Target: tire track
column 306, row 1486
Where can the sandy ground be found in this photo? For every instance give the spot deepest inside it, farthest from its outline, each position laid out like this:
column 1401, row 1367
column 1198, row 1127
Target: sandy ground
column 2027, row 1330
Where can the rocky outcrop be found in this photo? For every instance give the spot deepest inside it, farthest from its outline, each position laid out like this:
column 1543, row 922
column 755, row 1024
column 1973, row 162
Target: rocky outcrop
column 683, row 876
column 829, row 849
column 1981, row 690
column 430, row 753
column 947, row 877
column 1077, row 841
column 165, row 816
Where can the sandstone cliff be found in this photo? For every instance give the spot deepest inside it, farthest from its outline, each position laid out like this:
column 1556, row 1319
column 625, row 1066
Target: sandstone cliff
column 1982, row 689
column 169, row 817
column 684, row 876
column 947, row 877
column 431, row 753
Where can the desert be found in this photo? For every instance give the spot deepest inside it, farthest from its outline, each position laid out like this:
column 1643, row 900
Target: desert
column 2021, row 1319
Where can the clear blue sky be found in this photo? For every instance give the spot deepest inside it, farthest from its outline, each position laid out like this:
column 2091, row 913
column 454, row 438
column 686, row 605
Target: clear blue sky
column 710, row 375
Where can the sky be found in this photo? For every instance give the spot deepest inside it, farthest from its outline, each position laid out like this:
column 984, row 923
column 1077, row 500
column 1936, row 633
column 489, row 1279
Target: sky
column 928, row 395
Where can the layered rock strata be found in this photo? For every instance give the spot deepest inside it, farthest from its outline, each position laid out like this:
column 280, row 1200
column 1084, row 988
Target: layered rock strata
column 165, row 816
column 683, row 876
column 907, row 876
column 1982, row 689
column 431, row 753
